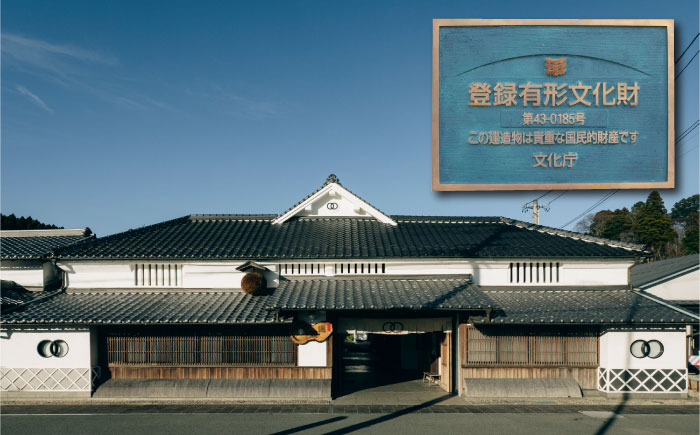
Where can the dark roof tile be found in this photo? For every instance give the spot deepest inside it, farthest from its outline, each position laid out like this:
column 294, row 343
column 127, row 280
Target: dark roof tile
column 647, row 273
column 575, row 306
column 254, row 237
column 140, row 308
column 409, row 293
column 37, row 244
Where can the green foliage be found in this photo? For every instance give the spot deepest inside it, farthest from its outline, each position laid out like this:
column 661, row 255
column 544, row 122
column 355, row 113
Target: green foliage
column 599, row 221
column 685, row 207
column 13, row 222
column 692, row 234
column 650, row 224
column 653, row 226
column 618, row 225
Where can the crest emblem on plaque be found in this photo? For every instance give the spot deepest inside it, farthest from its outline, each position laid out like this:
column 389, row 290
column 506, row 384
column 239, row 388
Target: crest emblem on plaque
column 555, row 67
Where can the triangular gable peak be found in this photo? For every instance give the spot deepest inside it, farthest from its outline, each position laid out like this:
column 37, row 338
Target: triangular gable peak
column 333, row 200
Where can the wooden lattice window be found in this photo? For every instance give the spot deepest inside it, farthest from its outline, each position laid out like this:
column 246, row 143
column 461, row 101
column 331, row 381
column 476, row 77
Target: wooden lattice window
column 201, row 350
column 493, row 347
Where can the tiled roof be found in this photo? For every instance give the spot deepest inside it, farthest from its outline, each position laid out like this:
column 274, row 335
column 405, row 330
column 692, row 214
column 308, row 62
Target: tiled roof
column 647, row 273
column 589, row 306
column 254, row 237
column 13, row 295
column 508, row 305
column 378, row 294
column 36, row 244
column 140, row 308
column 517, row 305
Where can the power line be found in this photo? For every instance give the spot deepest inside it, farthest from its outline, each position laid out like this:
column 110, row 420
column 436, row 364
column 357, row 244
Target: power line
column 541, row 196
column 692, row 126
column 689, row 62
column 557, row 197
column 607, row 196
column 686, row 133
column 686, row 48
column 589, row 209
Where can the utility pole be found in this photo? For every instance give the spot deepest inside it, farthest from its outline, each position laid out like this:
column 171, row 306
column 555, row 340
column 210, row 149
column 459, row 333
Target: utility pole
column 534, row 205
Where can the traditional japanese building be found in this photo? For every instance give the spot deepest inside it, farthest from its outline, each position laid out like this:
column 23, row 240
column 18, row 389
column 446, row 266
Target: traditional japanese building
column 333, row 295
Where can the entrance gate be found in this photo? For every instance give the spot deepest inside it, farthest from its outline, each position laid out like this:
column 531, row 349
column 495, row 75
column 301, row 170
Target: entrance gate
column 378, row 352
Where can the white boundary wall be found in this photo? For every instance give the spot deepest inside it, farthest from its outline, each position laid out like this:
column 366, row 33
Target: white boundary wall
column 620, row 371
column 23, row 369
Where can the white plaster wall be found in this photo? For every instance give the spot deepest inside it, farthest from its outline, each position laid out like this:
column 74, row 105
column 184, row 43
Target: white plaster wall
column 221, row 275
column 597, row 274
column 313, row 354
column 685, row 287
column 98, row 274
column 27, row 273
column 579, row 273
column 193, row 275
column 428, row 268
column 615, row 350
column 344, row 208
column 20, row 349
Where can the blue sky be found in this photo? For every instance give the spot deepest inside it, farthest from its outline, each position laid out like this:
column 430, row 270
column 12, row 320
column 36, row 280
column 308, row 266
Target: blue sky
column 122, row 114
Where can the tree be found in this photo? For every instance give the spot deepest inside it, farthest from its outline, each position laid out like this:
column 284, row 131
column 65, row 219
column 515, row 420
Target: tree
column 654, row 225
column 584, row 225
column 692, row 234
column 12, row 222
column 599, row 221
column 685, row 207
column 618, row 225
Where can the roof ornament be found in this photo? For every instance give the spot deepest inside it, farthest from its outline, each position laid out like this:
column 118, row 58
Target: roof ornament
column 332, row 179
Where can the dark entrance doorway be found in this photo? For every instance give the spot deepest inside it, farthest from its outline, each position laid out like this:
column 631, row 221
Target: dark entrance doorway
column 374, row 360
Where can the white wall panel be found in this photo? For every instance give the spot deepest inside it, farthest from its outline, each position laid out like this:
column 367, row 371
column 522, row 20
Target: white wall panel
column 313, row 354
column 615, row 350
column 18, row 348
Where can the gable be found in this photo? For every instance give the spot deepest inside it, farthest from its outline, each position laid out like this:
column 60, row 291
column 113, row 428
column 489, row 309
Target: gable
column 333, row 200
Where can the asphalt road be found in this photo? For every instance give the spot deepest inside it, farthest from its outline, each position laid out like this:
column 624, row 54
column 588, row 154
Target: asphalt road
column 190, row 420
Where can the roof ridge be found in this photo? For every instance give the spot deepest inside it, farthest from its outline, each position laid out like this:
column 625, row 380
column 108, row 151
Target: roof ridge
column 59, row 232
column 152, row 291
column 380, row 277
column 574, row 235
column 231, row 216
column 130, row 232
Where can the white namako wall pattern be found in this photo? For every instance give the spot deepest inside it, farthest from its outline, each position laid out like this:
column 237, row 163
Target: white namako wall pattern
column 621, row 371
column 24, row 369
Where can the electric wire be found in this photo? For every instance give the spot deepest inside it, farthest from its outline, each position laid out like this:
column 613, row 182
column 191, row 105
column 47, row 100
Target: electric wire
column 557, row 197
column 687, row 64
column 589, row 209
column 686, row 48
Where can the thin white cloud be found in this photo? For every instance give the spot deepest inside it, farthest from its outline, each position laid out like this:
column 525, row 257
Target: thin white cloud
column 93, row 72
column 34, row 98
column 242, row 107
column 38, row 52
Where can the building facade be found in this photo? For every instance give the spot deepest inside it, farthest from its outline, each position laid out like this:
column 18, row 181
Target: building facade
column 333, row 295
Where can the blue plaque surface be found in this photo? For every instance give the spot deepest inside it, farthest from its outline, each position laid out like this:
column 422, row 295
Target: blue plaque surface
column 547, row 104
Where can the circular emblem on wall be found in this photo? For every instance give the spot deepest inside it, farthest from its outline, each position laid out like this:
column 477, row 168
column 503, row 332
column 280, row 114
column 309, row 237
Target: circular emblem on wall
column 48, row 348
column 332, row 206
column 392, row 327
column 642, row 349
